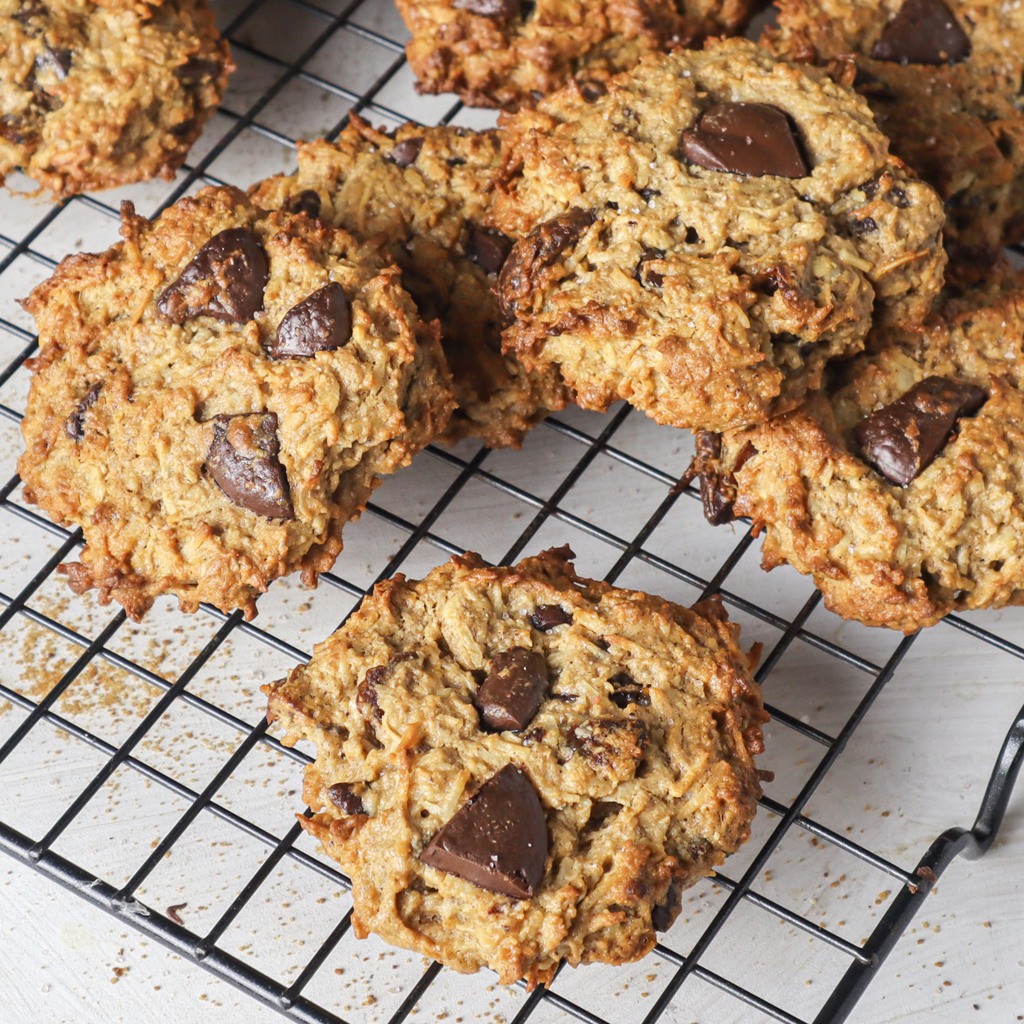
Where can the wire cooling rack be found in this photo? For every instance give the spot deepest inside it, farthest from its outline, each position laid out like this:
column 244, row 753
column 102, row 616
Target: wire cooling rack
column 183, row 826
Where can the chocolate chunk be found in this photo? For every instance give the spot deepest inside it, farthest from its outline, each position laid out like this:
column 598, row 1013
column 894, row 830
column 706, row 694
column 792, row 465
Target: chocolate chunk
column 901, row 439
column 56, row 60
column 649, row 277
column 366, row 694
column 307, row 201
column 647, row 194
column 923, row 32
column 488, row 249
column 745, row 138
column 864, row 226
column 344, row 799
column 196, row 70
column 225, row 280
column 243, row 461
column 489, row 8
column 498, row 840
column 28, row 11
column 593, row 90
column 898, row 198
column 183, row 129
column 406, row 151
column 321, row 322
column 531, row 254
column 628, row 691
column 716, row 491
column 513, row 690
column 547, row 616
column 665, row 913
column 74, row 425
column 15, row 129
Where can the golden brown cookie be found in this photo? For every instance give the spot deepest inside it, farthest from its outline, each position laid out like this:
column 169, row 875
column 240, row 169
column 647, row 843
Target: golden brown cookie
column 943, row 78
column 95, row 95
column 217, row 395
column 705, row 236
column 899, row 486
column 518, row 766
column 506, row 53
column 425, row 193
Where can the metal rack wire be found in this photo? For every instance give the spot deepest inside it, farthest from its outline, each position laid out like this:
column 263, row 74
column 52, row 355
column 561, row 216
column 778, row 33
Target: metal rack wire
column 418, row 532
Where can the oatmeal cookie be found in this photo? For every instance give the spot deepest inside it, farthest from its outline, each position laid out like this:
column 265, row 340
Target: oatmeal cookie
column 703, row 238
column 217, row 395
column 506, row 53
column 899, row 487
column 517, row 766
column 96, row 95
column 424, row 193
column 943, row 78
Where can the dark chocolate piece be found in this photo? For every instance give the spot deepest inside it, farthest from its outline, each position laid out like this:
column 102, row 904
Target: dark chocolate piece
column 307, row 201
column 488, row 249
column 715, row 494
column 489, row 8
column 649, row 277
column 628, row 691
column 663, row 914
column 533, row 253
column 406, row 151
column 498, row 840
column 225, row 280
column 74, row 425
column 58, row 61
column 243, row 462
column 745, row 138
column 344, row 799
column 513, row 690
column 321, row 322
column 901, row 439
column 196, row 70
column 923, row 32
column 593, row 90
column 547, row 616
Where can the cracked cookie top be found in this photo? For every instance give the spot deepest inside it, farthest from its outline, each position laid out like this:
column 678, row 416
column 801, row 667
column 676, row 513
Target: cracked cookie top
column 705, row 235
column 95, row 95
column 216, row 396
column 518, row 766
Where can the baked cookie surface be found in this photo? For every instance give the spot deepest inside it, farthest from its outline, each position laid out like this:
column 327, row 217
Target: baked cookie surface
column 96, row 95
column 504, row 53
column 943, row 78
column 701, row 239
column 425, row 193
column 615, row 728
column 217, row 395
column 899, row 486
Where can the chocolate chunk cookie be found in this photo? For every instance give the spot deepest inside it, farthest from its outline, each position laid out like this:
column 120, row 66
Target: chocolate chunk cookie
column 705, row 236
column 943, row 78
column 217, row 395
column 425, row 193
column 505, row 53
column 96, row 95
column 509, row 794
column 899, row 486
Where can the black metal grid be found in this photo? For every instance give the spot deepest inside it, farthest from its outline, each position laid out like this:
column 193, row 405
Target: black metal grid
column 462, row 468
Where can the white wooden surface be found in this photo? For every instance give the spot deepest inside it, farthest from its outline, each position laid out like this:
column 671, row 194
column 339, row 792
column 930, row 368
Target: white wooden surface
column 917, row 765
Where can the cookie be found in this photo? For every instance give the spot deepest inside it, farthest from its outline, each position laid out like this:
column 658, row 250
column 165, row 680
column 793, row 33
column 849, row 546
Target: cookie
column 217, row 395
column 943, row 78
column 517, row 766
column 705, row 236
column 898, row 487
column 96, row 95
column 425, row 193
column 506, row 53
